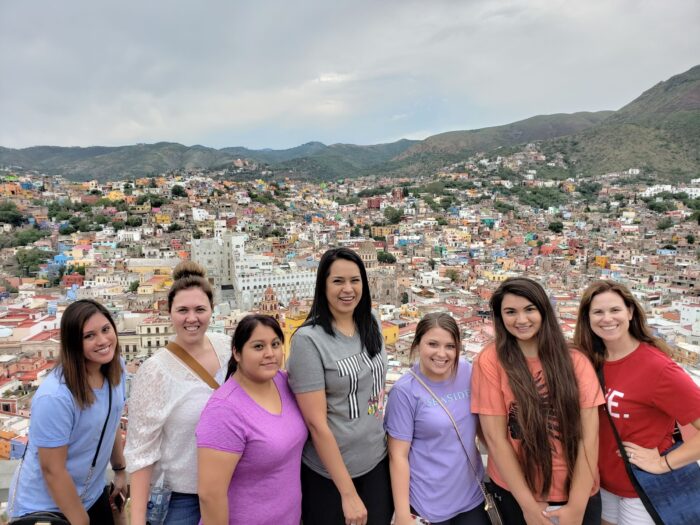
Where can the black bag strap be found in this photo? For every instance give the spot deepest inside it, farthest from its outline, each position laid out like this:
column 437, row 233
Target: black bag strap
column 648, row 505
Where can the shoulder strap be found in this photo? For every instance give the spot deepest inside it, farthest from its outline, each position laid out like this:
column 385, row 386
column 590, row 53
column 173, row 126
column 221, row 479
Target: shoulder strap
column 192, row 364
column 648, row 505
column 454, row 424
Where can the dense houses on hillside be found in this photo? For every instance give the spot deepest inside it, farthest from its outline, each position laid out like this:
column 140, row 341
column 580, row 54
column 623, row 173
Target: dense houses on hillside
column 440, row 243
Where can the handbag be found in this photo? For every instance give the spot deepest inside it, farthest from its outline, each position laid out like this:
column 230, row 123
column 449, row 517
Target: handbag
column 49, row 517
column 489, row 501
column 671, row 498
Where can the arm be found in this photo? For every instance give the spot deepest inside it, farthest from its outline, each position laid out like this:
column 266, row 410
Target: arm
column 650, row 460
column 313, row 408
column 149, row 407
column 400, row 476
column 60, row 484
column 584, row 471
column 215, row 469
column 117, row 461
column 502, row 453
column 140, row 491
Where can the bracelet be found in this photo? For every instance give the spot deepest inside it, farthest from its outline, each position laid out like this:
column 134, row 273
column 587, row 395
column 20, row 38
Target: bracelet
column 118, row 469
column 668, row 464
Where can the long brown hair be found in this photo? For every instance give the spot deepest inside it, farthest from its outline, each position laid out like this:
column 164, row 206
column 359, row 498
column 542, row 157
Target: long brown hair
column 438, row 320
column 560, row 412
column 186, row 275
column 71, row 351
column 592, row 345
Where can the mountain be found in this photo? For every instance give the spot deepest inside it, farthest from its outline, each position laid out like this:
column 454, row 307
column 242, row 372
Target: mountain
column 541, row 127
column 97, row 162
column 659, row 131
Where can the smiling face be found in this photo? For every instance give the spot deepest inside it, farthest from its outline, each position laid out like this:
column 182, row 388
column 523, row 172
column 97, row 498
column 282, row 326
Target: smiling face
column 261, row 355
column 437, row 354
column 521, row 318
column 610, row 317
column 343, row 288
column 99, row 341
column 190, row 314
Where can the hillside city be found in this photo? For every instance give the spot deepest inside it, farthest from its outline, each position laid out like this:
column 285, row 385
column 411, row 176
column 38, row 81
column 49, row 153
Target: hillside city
column 437, row 242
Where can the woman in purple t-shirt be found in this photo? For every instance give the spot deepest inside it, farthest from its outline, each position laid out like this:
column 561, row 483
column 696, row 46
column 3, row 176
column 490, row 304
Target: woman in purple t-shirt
column 431, row 475
column 251, row 434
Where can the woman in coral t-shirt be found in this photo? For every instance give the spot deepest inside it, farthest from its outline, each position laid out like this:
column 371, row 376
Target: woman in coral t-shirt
column 537, row 403
column 646, row 392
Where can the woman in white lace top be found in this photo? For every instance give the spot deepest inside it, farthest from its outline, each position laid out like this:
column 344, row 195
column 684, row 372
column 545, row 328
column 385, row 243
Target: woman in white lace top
column 167, row 398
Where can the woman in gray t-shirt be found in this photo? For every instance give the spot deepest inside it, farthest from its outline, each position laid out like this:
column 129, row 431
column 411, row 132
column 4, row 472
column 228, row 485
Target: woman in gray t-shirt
column 337, row 369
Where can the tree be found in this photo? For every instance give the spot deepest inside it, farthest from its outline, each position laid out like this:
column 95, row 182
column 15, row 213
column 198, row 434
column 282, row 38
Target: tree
column 690, row 238
column 404, row 298
column 556, row 226
column 385, row 257
column 133, row 221
column 393, row 215
column 133, row 286
column 174, row 227
column 9, row 213
column 355, row 232
column 432, row 263
column 452, row 274
column 665, row 223
column 178, row 191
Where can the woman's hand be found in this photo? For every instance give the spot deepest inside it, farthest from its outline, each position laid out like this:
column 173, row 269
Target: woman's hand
column 567, row 515
column 647, row 459
column 533, row 514
column 354, row 510
column 118, row 487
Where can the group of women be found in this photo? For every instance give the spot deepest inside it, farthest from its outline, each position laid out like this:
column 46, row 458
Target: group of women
column 314, row 443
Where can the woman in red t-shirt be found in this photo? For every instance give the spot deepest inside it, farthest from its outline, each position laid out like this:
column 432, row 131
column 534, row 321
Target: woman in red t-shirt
column 647, row 393
column 537, row 403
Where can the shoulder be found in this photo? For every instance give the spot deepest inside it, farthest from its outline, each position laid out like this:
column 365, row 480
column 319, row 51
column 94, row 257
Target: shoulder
column 653, row 354
column 579, row 359
column 220, row 341
column 487, row 356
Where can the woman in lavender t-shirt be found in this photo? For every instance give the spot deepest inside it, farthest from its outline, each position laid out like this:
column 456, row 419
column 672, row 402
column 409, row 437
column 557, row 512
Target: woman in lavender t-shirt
column 431, row 475
column 251, row 434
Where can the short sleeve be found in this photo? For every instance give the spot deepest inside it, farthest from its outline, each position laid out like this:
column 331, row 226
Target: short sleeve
column 399, row 417
column 148, row 409
column 305, row 367
column 487, row 395
column 220, row 428
column 677, row 394
column 52, row 421
column 589, row 391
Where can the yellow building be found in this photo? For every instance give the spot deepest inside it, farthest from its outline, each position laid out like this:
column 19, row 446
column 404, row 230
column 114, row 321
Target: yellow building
column 115, row 195
column 601, row 261
column 496, row 277
column 292, row 322
column 390, row 333
column 381, row 231
column 163, row 218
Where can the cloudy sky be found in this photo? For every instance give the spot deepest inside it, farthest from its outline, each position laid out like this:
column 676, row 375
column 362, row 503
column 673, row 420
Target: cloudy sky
column 276, row 74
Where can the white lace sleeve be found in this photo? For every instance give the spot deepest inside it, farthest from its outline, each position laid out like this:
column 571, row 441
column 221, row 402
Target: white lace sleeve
column 148, row 409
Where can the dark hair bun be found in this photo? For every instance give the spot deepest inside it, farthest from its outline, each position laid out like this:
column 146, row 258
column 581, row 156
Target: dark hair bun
column 188, row 269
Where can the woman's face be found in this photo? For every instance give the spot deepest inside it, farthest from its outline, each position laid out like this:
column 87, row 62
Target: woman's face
column 99, row 341
column 343, row 288
column 521, row 318
column 437, row 354
column 190, row 314
column 610, row 317
column 261, row 356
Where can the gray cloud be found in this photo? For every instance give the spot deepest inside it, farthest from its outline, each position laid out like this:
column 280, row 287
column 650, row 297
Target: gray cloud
column 276, row 74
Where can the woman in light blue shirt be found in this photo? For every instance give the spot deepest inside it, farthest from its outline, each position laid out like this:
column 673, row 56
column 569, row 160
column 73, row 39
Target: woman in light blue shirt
column 73, row 426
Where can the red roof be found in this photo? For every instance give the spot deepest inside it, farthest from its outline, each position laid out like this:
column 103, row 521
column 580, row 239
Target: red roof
column 46, row 335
